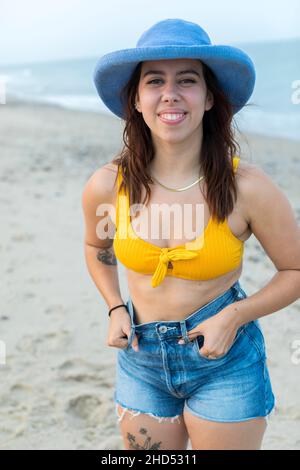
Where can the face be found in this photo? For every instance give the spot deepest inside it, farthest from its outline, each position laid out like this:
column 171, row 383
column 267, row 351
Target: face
column 179, row 85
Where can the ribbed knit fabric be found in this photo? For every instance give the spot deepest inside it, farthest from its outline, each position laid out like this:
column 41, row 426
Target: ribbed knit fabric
column 215, row 252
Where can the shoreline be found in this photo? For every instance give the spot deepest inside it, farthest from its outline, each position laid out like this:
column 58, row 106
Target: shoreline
column 13, row 100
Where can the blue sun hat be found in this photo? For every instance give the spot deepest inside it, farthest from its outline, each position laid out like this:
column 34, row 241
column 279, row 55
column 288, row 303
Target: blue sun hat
column 176, row 39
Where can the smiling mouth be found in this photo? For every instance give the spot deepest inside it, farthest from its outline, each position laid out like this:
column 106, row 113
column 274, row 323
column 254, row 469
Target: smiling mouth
column 172, row 119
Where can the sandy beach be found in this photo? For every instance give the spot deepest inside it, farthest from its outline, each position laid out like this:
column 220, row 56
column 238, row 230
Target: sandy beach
column 58, row 381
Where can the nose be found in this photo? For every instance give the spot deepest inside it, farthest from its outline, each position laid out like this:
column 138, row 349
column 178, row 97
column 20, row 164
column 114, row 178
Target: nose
column 170, row 92
column 170, row 99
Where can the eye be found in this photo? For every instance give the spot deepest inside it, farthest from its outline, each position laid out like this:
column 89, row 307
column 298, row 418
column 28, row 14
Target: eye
column 184, row 80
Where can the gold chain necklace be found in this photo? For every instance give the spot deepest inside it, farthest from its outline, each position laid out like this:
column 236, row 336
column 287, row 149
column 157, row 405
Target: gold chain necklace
column 180, row 189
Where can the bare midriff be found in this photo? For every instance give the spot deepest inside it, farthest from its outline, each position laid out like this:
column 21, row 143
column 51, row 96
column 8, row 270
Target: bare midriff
column 175, row 299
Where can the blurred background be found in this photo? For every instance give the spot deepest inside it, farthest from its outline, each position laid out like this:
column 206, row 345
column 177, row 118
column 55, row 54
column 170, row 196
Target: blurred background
column 49, row 49
column 57, row 373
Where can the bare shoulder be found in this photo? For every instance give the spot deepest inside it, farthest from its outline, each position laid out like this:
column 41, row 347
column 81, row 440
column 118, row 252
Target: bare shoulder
column 246, row 169
column 254, row 184
column 252, row 179
column 271, row 217
column 100, row 189
column 261, row 197
column 101, row 185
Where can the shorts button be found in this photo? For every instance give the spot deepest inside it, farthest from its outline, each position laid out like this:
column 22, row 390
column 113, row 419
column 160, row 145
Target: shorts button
column 163, row 329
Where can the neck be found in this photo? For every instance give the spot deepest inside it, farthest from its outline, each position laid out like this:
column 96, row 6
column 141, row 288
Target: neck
column 180, row 160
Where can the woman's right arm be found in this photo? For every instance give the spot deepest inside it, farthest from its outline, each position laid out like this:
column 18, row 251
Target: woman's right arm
column 99, row 252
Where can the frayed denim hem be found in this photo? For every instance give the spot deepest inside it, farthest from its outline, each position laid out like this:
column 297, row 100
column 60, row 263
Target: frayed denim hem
column 135, row 412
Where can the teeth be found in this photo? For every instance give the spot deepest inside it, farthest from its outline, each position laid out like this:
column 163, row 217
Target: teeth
column 171, row 117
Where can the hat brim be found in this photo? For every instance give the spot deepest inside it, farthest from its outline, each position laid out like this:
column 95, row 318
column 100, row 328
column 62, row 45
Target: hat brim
column 233, row 68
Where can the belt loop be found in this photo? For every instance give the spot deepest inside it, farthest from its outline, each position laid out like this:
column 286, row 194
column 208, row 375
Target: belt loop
column 132, row 333
column 130, row 310
column 239, row 292
column 132, row 324
column 236, row 288
column 184, row 331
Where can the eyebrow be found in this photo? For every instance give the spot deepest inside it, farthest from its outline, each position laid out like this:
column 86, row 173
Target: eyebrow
column 161, row 72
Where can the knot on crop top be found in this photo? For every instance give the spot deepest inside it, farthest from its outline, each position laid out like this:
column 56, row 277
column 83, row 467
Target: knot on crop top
column 164, row 258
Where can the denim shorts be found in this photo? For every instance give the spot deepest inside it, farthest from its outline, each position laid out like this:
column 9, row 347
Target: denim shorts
column 165, row 378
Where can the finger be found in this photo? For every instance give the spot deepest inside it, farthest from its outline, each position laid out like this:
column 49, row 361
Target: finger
column 118, row 343
column 126, row 334
column 195, row 334
column 122, row 341
column 135, row 343
column 192, row 334
column 204, row 352
column 192, row 337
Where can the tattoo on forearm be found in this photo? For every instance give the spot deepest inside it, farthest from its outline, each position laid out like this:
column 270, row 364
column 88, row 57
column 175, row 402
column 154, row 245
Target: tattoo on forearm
column 145, row 445
column 107, row 256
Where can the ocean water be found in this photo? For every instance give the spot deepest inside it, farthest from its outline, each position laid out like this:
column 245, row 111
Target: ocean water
column 274, row 105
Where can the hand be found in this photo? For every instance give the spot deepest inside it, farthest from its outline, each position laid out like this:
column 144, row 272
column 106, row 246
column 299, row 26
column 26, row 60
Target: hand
column 119, row 329
column 219, row 333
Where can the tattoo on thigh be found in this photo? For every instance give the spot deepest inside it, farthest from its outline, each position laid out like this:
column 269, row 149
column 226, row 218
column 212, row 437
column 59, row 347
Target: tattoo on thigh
column 147, row 443
column 107, row 256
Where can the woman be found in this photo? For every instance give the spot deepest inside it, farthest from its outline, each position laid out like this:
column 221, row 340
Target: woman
column 177, row 94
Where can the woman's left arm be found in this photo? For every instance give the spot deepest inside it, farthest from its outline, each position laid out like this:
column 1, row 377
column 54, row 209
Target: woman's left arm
column 273, row 223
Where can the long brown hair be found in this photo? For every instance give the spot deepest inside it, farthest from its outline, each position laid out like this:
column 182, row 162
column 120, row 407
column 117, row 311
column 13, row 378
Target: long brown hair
column 218, row 148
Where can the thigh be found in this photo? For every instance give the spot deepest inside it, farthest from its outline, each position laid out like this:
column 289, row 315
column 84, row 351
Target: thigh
column 143, row 432
column 213, row 435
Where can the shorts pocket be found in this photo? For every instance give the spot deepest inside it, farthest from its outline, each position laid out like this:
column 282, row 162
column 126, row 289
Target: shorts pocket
column 199, row 341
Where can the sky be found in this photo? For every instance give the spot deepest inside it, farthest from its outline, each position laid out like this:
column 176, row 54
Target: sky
column 35, row 30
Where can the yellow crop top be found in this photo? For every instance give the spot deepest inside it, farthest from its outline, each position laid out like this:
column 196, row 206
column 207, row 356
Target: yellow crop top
column 195, row 260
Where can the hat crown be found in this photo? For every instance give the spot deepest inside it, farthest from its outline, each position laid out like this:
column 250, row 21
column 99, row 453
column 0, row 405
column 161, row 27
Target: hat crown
column 174, row 32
